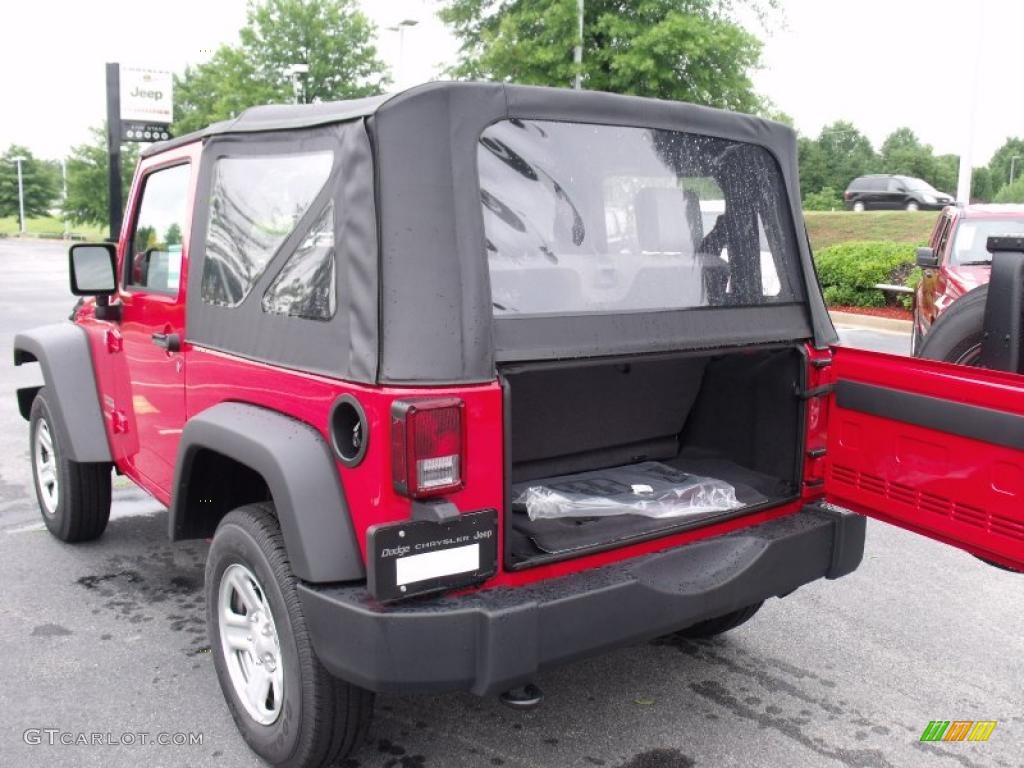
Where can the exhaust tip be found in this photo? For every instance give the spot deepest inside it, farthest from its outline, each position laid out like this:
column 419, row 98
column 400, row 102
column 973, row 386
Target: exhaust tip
column 524, row 697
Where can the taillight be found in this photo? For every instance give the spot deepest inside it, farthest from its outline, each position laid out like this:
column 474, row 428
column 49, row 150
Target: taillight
column 427, row 456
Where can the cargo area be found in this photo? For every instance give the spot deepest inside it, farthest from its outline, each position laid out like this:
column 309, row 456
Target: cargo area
column 733, row 417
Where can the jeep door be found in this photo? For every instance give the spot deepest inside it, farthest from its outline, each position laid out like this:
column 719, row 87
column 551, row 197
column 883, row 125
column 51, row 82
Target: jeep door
column 931, row 447
column 153, row 263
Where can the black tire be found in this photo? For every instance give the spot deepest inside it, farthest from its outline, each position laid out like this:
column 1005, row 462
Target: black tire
column 322, row 719
column 82, row 490
column 956, row 338
column 720, row 624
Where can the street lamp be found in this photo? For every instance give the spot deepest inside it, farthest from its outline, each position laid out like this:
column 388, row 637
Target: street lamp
column 400, row 28
column 577, row 54
column 1013, row 166
column 295, row 73
column 19, row 159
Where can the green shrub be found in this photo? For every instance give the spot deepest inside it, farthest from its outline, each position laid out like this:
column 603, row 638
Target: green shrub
column 825, row 200
column 1011, row 193
column 849, row 271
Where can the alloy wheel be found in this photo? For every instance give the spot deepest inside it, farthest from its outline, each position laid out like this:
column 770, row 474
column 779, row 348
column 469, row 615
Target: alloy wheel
column 46, row 468
column 249, row 642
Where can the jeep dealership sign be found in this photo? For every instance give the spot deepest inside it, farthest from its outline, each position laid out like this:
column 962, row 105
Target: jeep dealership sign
column 146, row 95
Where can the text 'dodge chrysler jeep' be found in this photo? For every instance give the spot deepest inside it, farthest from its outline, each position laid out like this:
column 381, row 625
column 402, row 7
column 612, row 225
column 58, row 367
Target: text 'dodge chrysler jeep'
column 476, row 379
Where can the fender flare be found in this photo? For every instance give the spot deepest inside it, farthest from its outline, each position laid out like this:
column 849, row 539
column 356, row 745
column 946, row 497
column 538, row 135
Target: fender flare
column 62, row 351
column 300, row 471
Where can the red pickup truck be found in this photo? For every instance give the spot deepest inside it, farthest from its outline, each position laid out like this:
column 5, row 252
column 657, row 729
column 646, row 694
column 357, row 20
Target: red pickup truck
column 956, row 261
column 476, row 379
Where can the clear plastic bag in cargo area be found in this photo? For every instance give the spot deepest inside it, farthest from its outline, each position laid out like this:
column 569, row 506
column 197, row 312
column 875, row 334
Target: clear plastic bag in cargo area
column 650, row 489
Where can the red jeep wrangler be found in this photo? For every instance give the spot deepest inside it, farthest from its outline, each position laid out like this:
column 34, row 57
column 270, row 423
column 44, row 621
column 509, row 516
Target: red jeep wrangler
column 477, row 379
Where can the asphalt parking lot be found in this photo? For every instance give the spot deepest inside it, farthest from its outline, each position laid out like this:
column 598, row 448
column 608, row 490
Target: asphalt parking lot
column 109, row 638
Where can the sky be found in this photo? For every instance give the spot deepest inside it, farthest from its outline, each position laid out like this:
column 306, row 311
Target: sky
column 932, row 65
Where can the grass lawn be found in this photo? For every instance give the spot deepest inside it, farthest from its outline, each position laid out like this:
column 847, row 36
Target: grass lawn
column 827, row 228
column 50, row 226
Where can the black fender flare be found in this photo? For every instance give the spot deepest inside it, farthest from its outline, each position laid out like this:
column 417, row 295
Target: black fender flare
column 300, row 471
column 62, row 351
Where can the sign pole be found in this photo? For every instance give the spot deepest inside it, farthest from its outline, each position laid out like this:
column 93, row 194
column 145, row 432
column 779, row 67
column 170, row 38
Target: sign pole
column 114, row 150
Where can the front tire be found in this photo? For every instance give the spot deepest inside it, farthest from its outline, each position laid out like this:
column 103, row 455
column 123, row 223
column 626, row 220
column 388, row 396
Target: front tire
column 74, row 498
column 289, row 709
column 913, row 206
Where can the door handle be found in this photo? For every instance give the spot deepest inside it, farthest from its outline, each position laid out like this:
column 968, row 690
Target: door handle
column 169, row 341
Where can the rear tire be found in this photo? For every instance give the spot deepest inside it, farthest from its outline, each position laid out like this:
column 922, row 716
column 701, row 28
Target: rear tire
column 305, row 717
column 720, row 624
column 74, row 498
column 913, row 206
column 859, row 206
column 955, row 336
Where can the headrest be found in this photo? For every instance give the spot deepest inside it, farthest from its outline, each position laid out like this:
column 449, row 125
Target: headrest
column 668, row 220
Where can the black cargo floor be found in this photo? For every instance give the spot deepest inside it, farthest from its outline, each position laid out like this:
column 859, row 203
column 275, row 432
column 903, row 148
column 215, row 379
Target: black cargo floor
column 531, row 539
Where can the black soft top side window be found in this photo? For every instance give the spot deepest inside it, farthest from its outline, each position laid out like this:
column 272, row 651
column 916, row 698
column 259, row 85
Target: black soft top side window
column 255, row 203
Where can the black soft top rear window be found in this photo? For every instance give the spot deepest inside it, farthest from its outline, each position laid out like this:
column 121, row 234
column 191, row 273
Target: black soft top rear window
column 583, row 218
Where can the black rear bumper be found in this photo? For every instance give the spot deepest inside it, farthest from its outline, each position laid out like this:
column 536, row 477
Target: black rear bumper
column 489, row 641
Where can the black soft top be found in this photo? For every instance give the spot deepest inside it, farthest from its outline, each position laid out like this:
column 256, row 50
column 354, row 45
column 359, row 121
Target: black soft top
column 278, row 117
column 414, row 291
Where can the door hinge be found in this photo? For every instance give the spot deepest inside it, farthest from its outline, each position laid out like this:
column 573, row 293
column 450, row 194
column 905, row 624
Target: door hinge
column 807, row 394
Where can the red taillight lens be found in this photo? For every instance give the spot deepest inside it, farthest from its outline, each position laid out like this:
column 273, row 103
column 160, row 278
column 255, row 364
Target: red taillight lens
column 427, row 456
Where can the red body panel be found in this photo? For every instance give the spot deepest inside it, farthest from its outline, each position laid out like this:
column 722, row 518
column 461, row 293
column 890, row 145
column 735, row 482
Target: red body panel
column 959, row 490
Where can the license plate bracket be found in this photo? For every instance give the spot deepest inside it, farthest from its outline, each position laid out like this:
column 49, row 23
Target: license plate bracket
column 417, row 557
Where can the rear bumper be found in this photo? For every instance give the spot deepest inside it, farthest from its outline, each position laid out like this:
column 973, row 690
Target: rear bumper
column 491, row 640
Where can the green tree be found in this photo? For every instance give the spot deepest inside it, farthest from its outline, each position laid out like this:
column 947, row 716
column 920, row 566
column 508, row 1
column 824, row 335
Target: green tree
column 1011, row 193
column 846, row 153
column 173, row 234
column 686, row 50
column 87, row 178
column 903, row 153
column 811, row 160
column 38, row 183
column 333, row 38
column 217, row 90
column 981, row 185
column 947, row 170
column 1001, row 162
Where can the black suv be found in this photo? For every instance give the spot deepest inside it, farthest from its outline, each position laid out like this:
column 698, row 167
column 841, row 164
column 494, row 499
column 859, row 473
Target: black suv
column 888, row 191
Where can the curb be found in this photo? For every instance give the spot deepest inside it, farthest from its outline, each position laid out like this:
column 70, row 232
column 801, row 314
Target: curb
column 871, row 323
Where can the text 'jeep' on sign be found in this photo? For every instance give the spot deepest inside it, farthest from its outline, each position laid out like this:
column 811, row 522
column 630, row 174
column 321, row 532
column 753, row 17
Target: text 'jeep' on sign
column 475, row 379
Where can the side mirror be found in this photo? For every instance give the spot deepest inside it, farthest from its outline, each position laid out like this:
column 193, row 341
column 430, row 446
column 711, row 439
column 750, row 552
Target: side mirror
column 926, row 258
column 92, row 269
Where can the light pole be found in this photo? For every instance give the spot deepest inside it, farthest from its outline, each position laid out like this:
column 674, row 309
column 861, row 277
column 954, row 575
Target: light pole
column 577, row 54
column 295, row 72
column 19, row 159
column 400, row 28
column 1013, row 166
column 64, row 196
